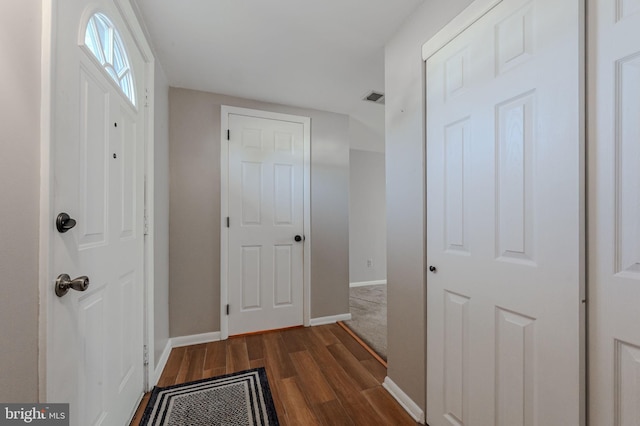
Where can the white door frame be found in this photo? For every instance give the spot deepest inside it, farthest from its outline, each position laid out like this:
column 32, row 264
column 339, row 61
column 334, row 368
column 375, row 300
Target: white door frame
column 47, row 229
column 467, row 17
column 224, row 208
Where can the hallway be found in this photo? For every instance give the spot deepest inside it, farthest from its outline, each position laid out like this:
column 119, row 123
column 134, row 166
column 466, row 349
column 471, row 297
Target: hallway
column 317, row 375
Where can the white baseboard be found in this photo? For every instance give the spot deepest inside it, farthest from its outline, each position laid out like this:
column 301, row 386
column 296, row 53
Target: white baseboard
column 403, row 399
column 176, row 342
column 195, row 339
column 162, row 362
column 329, row 320
column 363, row 283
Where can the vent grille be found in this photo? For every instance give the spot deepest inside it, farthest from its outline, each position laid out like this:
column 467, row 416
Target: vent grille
column 375, row 97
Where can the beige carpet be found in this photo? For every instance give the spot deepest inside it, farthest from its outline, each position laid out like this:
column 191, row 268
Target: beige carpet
column 368, row 305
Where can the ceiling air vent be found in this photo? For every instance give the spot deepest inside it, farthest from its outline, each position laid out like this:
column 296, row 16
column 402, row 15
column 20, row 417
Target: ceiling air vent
column 373, row 96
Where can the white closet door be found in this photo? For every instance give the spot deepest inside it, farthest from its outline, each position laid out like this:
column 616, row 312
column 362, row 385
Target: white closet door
column 614, row 212
column 505, row 219
column 266, row 223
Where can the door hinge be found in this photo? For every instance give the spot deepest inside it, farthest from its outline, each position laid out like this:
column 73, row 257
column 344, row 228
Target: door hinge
column 227, row 309
column 228, row 222
column 228, row 134
column 146, row 355
column 146, row 97
column 146, row 224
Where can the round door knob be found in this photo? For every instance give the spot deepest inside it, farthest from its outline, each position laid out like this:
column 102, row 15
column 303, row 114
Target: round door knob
column 298, row 238
column 64, row 223
column 64, row 283
column 433, row 269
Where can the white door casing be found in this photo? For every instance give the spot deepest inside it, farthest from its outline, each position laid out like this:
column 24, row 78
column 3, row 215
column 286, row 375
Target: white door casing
column 614, row 212
column 265, row 181
column 92, row 341
column 505, row 216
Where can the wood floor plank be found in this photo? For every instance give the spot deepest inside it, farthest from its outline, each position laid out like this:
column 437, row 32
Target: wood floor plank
column 332, row 413
column 184, row 368
column 346, row 388
column 354, row 347
column 137, row 417
column 315, row 375
column 352, row 366
column 311, row 379
column 196, row 363
column 276, row 356
column 387, row 408
column 275, row 394
column 363, row 344
column 257, row 363
column 324, row 334
column 360, row 410
column 216, row 356
column 375, row 368
column 343, row 385
column 199, row 346
column 172, row 368
column 314, row 341
column 255, row 346
column 237, row 355
column 215, row 372
column 295, row 405
column 293, row 340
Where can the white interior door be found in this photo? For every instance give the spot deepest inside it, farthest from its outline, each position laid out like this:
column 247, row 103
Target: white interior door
column 505, row 217
column 614, row 212
column 266, row 223
column 95, row 337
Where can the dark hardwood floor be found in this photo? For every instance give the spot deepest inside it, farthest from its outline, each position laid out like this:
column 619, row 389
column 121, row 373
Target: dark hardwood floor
column 317, row 375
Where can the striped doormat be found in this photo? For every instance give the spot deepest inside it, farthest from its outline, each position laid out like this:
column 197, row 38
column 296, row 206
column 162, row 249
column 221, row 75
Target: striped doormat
column 240, row 398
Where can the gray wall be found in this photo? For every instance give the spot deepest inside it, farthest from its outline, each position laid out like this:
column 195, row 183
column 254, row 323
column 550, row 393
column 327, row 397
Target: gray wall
column 367, row 217
column 161, row 212
column 365, row 138
column 194, row 231
column 404, row 121
column 20, row 28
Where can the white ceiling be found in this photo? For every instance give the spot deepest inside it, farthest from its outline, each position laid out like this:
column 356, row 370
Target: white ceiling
column 322, row 54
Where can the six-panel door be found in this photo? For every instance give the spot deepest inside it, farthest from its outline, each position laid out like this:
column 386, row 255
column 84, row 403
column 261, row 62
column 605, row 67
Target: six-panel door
column 265, row 281
column 505, row 226
column 614, row 212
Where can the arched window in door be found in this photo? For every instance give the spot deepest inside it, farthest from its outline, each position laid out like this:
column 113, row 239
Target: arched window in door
column 103, row 40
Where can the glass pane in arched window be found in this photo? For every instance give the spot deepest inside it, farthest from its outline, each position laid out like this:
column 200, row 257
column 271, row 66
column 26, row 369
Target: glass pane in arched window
column 104, row 42
column 118, row 62
column 91, row 40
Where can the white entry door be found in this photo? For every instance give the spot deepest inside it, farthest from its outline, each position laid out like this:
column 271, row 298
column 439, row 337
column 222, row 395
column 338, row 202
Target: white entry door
column 266, row 223
column 614, row 213
column 95, row 337
column 505, row 216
